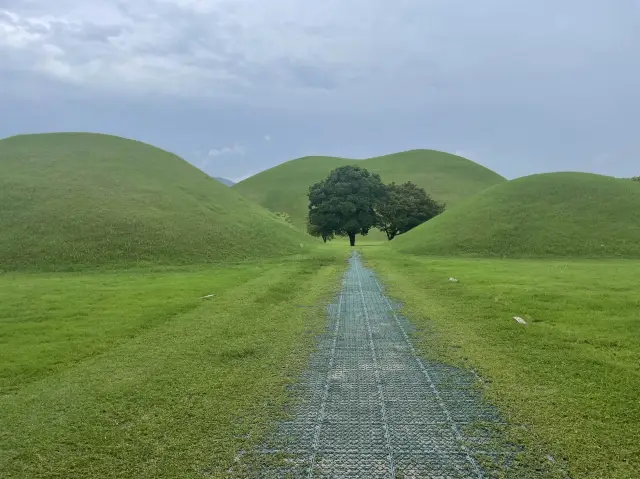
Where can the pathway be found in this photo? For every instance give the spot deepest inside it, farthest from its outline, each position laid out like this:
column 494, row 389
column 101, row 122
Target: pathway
column 370, row 407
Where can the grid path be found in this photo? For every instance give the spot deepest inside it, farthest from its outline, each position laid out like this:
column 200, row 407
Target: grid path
column 370, row 407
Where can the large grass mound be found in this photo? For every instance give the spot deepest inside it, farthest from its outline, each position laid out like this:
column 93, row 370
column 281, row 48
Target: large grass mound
column 446, row 177
column 74, row 200
column 551, row 214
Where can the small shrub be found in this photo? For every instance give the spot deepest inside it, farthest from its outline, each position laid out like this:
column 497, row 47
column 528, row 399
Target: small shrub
column 283, row 216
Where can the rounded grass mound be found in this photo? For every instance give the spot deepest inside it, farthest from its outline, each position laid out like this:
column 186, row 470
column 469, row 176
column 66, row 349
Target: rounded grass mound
column 76, row 200
column 545, row 215
column 448, row 178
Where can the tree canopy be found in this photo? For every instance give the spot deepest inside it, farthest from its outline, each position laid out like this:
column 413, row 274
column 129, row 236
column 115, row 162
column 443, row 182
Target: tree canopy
column 345, row 203
column 319, row 224
column 351, row 200
column 405, row 207
column 636, row 178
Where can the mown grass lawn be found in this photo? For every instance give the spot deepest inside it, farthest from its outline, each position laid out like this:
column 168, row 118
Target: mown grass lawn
column 131, row 374
column 571, row 376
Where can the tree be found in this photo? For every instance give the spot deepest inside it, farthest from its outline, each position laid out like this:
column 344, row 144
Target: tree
column 320, row 227
column 405, row 207
column 635, row 178
column 345, row 203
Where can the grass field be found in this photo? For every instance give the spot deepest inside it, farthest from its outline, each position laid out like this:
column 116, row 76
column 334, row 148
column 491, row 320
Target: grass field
column 546, row 215
column 77, row 200
column 114, row 363
column 570, row 376
column 133, row 374
column 446, row 177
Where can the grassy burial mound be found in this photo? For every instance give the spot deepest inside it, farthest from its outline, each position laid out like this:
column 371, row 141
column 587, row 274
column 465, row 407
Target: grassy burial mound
column 74, row 200
column 448, row 178
column 551, row 214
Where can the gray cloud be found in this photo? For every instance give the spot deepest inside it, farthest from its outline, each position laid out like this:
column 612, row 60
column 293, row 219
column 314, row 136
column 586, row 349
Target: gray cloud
column 523, row 86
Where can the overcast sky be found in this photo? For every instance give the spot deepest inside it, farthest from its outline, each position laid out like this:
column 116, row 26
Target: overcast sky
column 237, row 86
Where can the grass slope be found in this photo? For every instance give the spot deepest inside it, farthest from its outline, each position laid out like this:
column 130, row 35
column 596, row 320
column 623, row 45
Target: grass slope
column 570, row 376
column 74, row 200
column 446, row 177
column 132, row 374
column 551, row 214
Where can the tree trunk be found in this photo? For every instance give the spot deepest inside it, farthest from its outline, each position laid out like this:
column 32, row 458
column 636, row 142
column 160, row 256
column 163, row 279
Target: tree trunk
column 352, row 239
column 324, row 238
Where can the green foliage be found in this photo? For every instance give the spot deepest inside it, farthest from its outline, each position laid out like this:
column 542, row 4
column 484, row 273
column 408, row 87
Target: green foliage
column 133, row 374
column 448, row 179
column 570, row 375
column 77, row 201
column 345, row 202
column 545, row 215
column 405, row 207
column 635, row 178
column 321, row 226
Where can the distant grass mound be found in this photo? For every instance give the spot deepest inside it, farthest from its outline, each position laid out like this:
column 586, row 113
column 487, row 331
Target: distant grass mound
column 224, row 181
column 446, row 177
column 75, row 200
column 551, row 214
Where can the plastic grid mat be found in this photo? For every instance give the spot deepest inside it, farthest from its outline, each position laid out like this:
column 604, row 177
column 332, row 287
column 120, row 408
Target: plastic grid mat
column 370, row 407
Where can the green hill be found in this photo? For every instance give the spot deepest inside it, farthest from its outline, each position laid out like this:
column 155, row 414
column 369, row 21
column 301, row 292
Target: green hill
column 446, row 177
column 551, row 214
column 73, row 200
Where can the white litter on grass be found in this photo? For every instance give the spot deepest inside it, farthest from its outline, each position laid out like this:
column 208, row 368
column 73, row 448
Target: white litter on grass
column 207, row 296
column 453, row 280
column 520, row 320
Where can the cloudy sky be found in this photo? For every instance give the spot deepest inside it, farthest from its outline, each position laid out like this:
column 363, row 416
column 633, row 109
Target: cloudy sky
column 237, row 86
